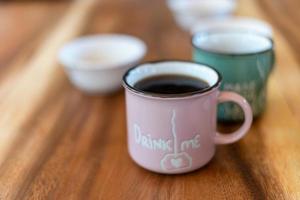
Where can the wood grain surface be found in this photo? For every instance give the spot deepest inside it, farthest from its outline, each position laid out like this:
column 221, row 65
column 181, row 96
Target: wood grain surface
column 58, row 143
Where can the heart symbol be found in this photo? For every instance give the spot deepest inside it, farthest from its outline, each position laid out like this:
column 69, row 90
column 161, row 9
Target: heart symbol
column 176, row 162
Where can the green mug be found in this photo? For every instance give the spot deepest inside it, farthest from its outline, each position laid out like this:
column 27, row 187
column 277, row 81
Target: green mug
column 245, row 60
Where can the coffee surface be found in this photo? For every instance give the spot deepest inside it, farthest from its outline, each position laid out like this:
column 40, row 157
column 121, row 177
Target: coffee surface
column 171, row 84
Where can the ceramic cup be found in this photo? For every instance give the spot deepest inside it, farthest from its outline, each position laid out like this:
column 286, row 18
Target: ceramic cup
column 191, row 12
column 95, row 64
column 238, row 24
column 245, row 61
column 176, row 133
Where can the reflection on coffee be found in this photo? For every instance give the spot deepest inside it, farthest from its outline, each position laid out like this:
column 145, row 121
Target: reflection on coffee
column 171, row 84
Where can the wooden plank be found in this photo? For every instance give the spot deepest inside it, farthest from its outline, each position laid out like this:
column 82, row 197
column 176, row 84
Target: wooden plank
column 58, row 143
column 20, row 31
column 32, row 86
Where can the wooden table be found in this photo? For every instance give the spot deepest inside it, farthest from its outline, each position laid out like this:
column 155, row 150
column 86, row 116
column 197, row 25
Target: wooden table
column 58, row 143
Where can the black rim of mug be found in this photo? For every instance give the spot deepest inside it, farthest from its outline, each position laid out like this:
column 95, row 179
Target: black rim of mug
column 137, row 91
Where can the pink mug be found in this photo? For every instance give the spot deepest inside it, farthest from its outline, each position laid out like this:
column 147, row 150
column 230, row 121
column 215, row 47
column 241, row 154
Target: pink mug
column 176, row 133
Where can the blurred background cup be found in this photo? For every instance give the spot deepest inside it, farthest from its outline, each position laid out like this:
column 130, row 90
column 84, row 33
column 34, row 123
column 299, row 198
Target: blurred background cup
column 239, row 24
column 188, row 13
column 245, row 61
column 96, row 63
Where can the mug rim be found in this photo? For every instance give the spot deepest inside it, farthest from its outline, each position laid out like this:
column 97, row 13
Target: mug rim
column 232, row 54
column 170, row 96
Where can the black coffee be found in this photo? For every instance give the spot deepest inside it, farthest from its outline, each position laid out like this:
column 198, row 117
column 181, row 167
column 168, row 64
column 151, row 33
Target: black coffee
column 171, row 84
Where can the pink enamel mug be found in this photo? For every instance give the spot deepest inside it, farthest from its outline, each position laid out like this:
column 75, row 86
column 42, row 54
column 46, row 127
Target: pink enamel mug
column 176, row 133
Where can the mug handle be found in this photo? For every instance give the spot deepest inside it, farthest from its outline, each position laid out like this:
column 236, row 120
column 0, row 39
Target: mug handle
column 273, row 60
column 226, row 96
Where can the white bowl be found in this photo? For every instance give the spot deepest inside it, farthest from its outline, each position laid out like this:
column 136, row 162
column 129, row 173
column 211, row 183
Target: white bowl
column 188, row 12
column 241, row 24
column 96, row 64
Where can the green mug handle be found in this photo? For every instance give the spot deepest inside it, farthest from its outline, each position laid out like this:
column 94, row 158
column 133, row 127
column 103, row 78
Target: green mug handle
column 273, row 60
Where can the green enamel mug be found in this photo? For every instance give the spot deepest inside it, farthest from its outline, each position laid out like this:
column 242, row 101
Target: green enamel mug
column 245, row 61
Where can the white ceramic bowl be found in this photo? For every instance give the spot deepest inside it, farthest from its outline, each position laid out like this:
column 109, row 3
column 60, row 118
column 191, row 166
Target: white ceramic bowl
column 96, row 64
column 188, row 12
column 241, row 24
